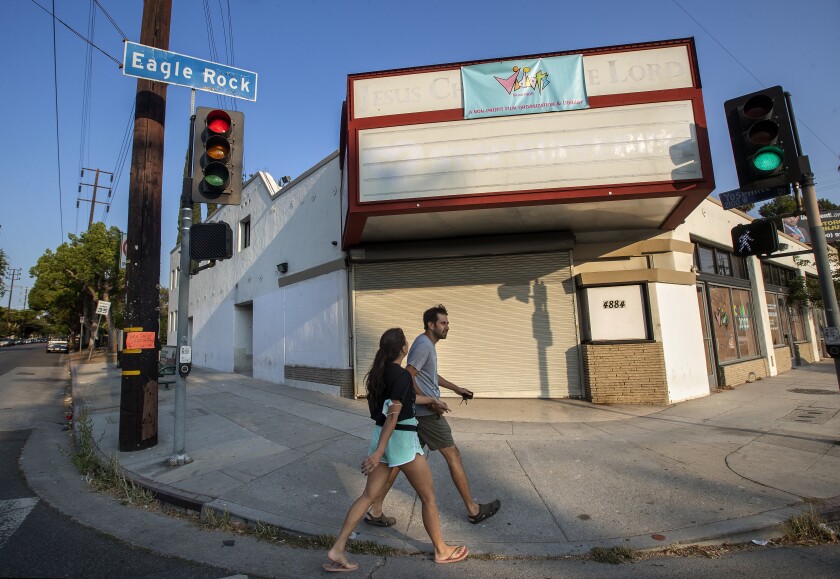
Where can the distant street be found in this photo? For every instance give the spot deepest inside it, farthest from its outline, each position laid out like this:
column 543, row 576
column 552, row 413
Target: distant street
column 35, row 539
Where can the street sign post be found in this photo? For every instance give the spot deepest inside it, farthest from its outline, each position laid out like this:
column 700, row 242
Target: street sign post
column 738, row 198
column 172, row 68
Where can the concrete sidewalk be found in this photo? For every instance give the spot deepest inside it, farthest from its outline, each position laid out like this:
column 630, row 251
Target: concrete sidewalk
column 570, row 475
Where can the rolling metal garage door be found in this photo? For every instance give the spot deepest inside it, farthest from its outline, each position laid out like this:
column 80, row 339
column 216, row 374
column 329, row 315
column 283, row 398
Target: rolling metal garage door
column 512, row 320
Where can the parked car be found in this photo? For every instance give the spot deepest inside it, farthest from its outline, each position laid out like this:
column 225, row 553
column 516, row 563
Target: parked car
column 57, row 346
column 5, row 342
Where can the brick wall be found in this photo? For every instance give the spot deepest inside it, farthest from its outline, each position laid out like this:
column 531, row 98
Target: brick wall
column 739, row 373
column 625, row 373
column 806, row 352
column 343, row 378
column 783, row 359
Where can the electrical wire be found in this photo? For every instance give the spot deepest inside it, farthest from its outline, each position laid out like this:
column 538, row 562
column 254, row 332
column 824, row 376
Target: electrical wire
column 108, row 16
column 84, row 138
column 73, row 31
column 733, row 57
column 57, row 139
column 122, row 156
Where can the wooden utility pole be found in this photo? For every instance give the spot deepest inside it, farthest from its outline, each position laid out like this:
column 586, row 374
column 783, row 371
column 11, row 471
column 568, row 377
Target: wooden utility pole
column 95, row 186
column 14, row 274
column 139, row 393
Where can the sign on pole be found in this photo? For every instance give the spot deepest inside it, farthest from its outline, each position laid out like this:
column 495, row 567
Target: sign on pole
column 738, row 198
column 123, row 248
column 172, row 68
column 103, row 307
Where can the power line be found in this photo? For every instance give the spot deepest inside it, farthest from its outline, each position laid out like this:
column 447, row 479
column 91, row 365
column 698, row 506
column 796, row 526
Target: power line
column 57, row 139
column 84, row 138
column 733, row 57
column 73, row 31
column 122, row 156
column 108, row 16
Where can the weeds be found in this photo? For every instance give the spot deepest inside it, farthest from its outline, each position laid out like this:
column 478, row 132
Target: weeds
column 612, row 555
column 808, row 528
column 108, row 478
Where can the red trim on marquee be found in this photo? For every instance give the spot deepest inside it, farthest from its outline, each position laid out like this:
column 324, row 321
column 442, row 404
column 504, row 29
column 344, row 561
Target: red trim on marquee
column 692, row 192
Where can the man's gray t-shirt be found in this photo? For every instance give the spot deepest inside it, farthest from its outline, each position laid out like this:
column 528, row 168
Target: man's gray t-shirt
column 423, row 357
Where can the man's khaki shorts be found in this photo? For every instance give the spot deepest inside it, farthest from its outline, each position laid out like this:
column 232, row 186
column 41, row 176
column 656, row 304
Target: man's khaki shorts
column 434, row 432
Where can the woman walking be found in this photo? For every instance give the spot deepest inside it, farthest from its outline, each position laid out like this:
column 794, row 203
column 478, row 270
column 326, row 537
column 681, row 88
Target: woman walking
column 391, row 400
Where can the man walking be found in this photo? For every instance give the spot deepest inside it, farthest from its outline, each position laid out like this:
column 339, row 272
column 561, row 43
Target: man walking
column 432, row 428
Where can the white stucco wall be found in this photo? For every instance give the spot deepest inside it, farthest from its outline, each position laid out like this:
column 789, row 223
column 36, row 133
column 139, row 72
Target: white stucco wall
column 304, row 323
column 682, row 341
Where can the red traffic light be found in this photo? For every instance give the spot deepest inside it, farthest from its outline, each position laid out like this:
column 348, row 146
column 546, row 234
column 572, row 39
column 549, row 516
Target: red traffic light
column 218, row 122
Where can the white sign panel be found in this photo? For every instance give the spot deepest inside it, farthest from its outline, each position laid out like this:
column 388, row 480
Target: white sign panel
column 645, row 143
column 102, row 308
column 616, row 313
column 185, row 355
column 605, row 74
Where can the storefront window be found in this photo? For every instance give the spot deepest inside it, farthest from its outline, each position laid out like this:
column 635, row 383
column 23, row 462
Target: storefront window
column 783, row 317
column 744, row 326
column 734, row 324
column 797, row 327
column 724, row 328
column 724, row 263
column 706, row 257
column 775, row 321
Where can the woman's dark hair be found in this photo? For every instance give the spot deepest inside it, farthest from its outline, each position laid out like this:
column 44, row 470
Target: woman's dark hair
column 390, row 347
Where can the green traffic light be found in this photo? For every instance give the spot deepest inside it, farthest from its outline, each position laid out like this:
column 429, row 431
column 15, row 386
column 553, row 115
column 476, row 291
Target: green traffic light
column 768, row 159
column 214, row 180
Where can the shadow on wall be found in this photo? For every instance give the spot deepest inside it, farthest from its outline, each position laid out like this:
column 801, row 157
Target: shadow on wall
column 540, row 322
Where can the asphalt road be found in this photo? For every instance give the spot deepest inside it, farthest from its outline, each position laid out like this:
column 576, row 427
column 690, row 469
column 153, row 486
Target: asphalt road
column 35, row 539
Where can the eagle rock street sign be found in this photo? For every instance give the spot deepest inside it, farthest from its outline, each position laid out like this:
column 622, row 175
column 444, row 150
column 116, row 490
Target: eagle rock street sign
column 172, row 68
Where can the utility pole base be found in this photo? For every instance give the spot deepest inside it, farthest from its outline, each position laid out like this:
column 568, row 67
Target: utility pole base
column 179, row 460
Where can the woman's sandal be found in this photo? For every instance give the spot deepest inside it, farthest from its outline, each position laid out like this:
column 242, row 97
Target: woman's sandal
column 486, row 511
column 339, row 567
column 459, row 554
column 380, row 521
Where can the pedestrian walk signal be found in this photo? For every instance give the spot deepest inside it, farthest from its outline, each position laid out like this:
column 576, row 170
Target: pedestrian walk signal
column 757, row 238
column 217, row 156
column 213, row 241
column 763, row 145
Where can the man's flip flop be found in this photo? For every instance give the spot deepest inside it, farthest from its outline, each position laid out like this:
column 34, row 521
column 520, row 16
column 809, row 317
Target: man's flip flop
column 486, row 511
column 380, row 521
column 459, row 554
column 337, row 567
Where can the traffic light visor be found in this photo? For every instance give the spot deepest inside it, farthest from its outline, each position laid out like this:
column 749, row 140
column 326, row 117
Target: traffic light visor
column 768, row 159
column 218, row 122
column 758, row 106
column 217, row 148
column 216, row 177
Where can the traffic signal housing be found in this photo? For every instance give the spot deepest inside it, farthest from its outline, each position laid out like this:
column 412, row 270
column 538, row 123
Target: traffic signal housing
column 763, row 144
column 217, row 156
column 757, row 238
column 211, row 241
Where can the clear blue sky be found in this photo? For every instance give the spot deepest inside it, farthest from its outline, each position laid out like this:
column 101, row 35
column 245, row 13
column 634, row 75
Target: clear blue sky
column 303, row 51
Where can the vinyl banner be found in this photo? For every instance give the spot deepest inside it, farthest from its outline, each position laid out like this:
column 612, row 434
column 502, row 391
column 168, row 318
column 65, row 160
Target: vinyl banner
column 522, row 87
column 798, row 227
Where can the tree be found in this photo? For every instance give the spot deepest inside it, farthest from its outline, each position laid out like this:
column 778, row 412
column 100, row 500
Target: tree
column 778, row 206
column 78, row 274
column 786, row 204
column 164, row 314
